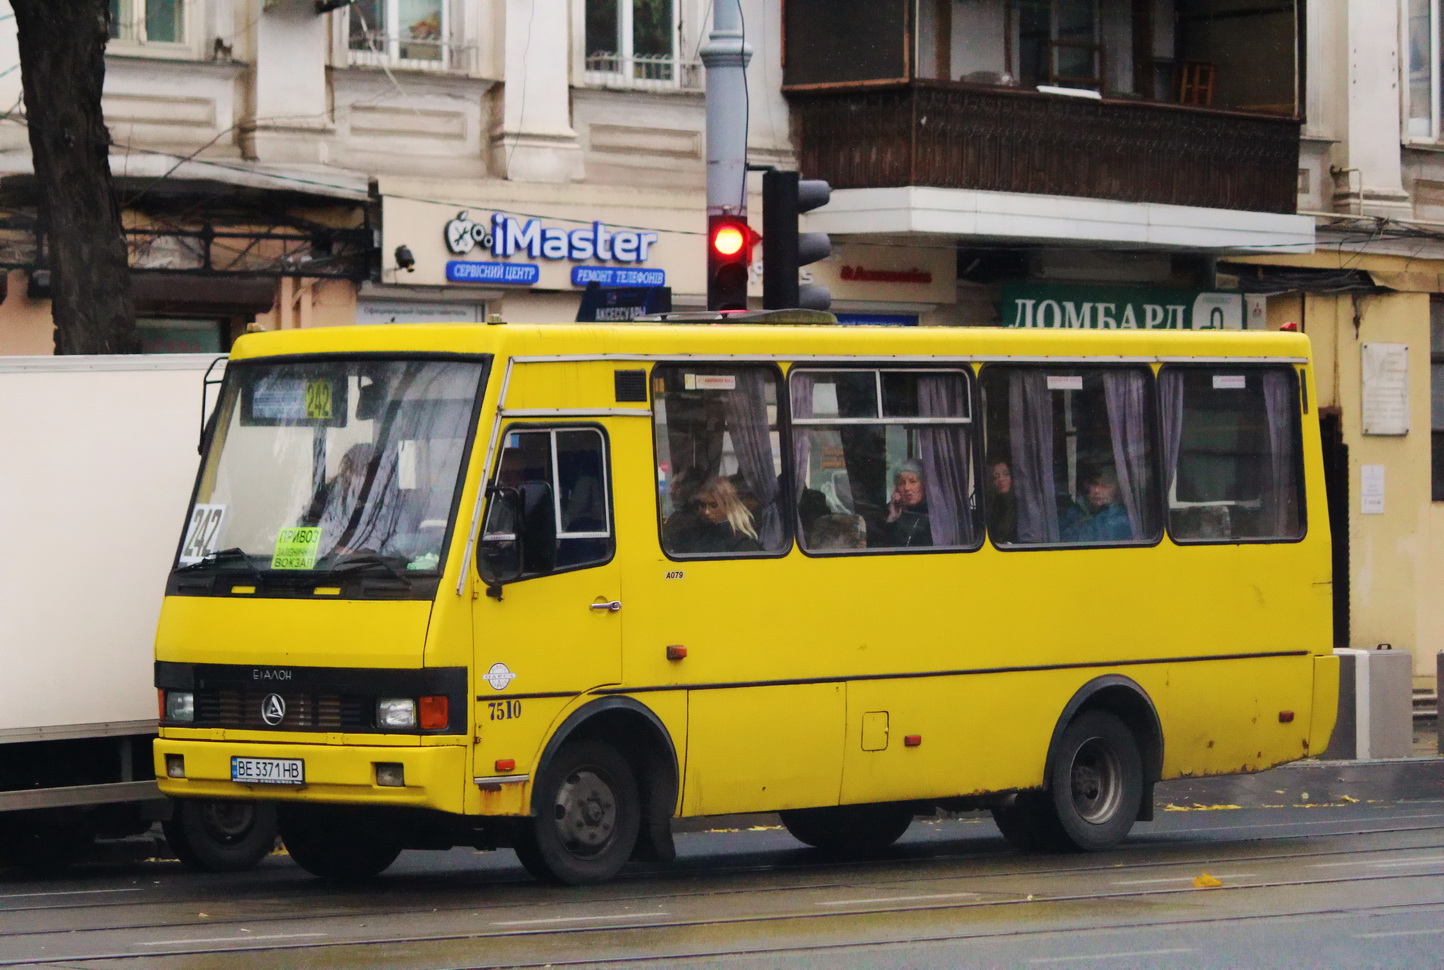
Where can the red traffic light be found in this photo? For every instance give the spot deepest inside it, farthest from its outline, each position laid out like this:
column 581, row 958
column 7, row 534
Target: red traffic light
column 733, row 239
column 729, row 255
column 729, row 239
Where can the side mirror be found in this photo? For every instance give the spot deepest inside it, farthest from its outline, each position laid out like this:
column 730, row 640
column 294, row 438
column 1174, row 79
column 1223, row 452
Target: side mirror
column 520, row 535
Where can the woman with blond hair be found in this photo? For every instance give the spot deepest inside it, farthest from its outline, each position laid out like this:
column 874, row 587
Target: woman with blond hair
column 724, row 523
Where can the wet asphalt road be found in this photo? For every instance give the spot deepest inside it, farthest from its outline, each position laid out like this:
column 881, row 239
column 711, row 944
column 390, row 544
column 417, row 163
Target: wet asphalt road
column 1312, row 865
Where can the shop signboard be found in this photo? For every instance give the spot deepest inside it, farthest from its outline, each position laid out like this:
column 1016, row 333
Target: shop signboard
column 510, row 240
column 1051, row 306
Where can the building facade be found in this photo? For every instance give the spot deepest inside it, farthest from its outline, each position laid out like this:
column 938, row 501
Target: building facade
column 1153, row 163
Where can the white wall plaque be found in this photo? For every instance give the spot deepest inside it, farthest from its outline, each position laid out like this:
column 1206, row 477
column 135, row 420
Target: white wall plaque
column 1386, row 388
column 1371, row 489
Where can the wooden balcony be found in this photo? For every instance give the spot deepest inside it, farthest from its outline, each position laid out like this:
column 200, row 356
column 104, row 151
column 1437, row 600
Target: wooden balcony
column 964, row 136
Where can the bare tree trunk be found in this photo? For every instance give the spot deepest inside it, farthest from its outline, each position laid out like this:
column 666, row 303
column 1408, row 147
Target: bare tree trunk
column 62, row 65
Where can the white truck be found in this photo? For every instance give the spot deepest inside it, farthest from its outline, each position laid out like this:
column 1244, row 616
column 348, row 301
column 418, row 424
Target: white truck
column 98, row 456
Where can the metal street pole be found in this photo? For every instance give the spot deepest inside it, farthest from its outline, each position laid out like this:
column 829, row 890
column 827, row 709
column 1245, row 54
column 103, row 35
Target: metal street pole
column 725, row 56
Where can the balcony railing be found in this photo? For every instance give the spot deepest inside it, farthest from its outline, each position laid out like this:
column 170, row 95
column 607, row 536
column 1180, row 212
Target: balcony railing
column 955, row 135
column 407, row 53
column 643, row 72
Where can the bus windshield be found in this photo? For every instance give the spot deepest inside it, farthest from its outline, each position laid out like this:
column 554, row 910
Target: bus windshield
column 333, row 465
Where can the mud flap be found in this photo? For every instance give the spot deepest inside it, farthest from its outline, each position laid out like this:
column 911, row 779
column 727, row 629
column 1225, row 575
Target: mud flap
column 1145, row 805
column 654, row 842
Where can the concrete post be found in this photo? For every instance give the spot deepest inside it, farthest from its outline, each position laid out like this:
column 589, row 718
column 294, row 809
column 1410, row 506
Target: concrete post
column 1375, row 705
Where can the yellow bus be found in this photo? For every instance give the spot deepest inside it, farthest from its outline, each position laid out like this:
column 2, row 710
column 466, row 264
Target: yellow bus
column 551, row 587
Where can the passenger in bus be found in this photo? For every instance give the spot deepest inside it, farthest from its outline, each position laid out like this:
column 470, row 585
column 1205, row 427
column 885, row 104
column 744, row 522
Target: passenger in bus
column 811, row 506
column 685, row 515
column 1098, row 517
column 1002, row 502
column 335, row 503
column 907, row 523
column 724, row 524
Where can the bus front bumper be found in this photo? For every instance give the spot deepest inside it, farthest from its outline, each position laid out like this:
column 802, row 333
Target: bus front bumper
column 352, row 774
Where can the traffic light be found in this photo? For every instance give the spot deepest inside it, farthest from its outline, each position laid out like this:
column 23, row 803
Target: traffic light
column 729, row 259
column 785, row 196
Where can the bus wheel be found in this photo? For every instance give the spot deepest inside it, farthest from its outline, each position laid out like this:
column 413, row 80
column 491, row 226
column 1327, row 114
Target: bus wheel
column 336, row 844
column 589, row 815
column 1095, row 782
column 1029, row 824
column 211, row 835
column 849, row 829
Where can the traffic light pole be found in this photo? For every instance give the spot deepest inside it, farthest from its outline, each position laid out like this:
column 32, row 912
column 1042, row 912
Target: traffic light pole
column 725, row 56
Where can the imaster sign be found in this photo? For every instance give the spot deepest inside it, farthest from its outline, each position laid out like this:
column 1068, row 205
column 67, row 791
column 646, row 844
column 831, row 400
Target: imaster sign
column 505, row 237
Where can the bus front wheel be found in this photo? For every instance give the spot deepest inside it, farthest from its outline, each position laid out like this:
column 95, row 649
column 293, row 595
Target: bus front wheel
column 588, row 817
column 211, row 835
column 849, row 829
column 334, row 843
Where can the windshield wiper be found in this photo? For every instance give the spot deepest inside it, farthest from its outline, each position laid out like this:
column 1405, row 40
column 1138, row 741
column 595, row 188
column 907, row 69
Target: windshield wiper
column 235, row 554
column 368, row 561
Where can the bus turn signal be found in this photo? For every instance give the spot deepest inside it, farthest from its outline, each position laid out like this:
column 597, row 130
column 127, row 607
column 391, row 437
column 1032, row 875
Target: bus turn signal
column 435, row 712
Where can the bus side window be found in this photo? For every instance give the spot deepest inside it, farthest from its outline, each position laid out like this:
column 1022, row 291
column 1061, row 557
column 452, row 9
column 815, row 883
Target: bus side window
column 572, row 462
column 719, row 460
column 1071, row 455
column 1231, row 439
column 883, row 459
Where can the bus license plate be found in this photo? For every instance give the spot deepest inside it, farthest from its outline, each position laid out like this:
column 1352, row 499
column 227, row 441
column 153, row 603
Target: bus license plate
column 269, row 771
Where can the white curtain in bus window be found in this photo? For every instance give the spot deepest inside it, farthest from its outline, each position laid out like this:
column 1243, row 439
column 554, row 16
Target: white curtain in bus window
column 1070, row 455
column 572, row 464
column 719, row 455
column 1231, row 453
column 883, row 459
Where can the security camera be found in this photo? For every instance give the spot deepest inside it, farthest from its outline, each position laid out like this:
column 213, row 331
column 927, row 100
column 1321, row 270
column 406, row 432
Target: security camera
column 404, row 259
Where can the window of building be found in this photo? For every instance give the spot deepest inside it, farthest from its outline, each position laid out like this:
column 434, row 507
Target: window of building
column 1422, row 53
column 1059, row 43
column 148, row 21
column 1071, row 455
column 559, row 474
column 884, row 459
column 405, row 33
column 170, row 335
column 1436, row 393
column 1231, row 441
column 633, row 43
column 719, row 460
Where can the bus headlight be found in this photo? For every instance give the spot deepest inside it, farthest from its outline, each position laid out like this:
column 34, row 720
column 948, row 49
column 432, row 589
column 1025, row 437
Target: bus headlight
column 396, row 712
column 180, row 705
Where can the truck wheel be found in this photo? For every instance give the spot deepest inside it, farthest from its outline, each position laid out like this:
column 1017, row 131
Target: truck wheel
column 46, row 841
column 336, row 844
column 211, row 835
column 849, row 829
column 1096, row 782
column 588, row 817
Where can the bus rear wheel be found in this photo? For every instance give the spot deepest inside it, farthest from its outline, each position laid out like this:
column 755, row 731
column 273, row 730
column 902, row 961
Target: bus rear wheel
column 336, row 843
column 1096, row 781
column 588, row 817
column 211, row 835
column 1094, row 791
column 849, row 829
column 1029, row 825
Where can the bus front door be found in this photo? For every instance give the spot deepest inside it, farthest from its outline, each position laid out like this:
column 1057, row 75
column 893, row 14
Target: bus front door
column 553, row 632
